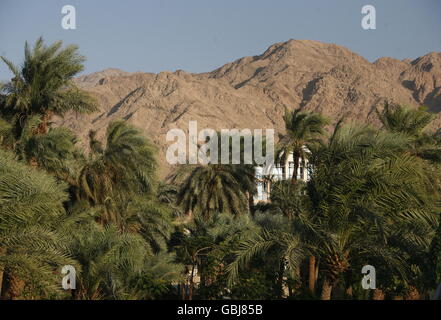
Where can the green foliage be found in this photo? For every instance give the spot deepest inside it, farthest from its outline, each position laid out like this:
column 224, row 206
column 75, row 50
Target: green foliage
column 6, row 136
column 207, row 244
column 217, row 188
column 43, row 84
column 123, row 169
column 286, row 198
column 413, row 123
column 372, row 201
column 54, row 152
column 273, row 239
column 149, row 218
column 396, row 118
column 115, row 186
column 159, row 275
column 32, row 245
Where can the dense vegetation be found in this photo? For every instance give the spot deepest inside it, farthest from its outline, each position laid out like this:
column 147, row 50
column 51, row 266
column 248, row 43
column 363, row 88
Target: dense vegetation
column 373, row 198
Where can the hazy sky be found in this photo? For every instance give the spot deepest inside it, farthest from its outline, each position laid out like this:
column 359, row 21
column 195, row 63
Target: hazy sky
column 200, row 35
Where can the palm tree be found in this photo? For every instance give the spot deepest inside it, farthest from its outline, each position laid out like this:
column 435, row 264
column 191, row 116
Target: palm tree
column 205, row 246
column 109, row 259
column 275, row 238
column 215, row 188
column 117, row 264
column 413, row 122
column 32, row 246
column 167, row 194
column 160, row 273
column 149, row 218
column 302, row 130
column 291, row 201
column 123, row 168
column 365, row 189
column 287, row 199
column 396, row 118
column 54, row 151
column 43, row 85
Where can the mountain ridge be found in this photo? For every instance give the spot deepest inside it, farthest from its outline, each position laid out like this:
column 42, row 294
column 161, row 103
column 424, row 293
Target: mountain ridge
column 253, row 92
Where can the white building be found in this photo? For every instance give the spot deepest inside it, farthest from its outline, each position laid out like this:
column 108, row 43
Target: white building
column 278, row 172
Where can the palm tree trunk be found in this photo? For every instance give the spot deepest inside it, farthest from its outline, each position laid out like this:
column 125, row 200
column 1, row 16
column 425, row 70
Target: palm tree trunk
column 14, row 288
column 296, row 168
column 299, row 278
column 290, row 290
column 1, row 279
column 250, row 201
column 312, row 278
column 437, row 295
column 44, row 125
column 349, row 292
column 378, row 294
column 413, row 294
column 317, row 269
column 190, row 290
column 4, row 293
column 326, row 290
column 182, row 287
column 280, row 280
column 2, row 271
column 189, row 216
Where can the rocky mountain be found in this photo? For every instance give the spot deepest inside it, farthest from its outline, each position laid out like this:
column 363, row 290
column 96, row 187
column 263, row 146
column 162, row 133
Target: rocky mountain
column 253, row 92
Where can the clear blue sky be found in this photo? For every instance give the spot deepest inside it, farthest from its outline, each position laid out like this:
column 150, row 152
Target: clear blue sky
column 200, row 35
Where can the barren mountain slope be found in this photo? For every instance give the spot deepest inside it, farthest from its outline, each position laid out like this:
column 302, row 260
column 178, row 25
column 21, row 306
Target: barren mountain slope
column 253, row 92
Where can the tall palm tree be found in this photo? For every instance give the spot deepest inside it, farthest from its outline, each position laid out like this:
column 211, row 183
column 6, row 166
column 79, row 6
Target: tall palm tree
column 302, row 130
column 124, row 167
column 43, row 85
column 215, row 188
column 291, row 201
